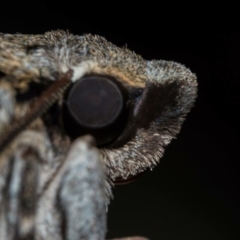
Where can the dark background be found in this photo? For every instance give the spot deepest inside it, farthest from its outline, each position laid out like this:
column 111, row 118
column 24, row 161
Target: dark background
column 194, row 192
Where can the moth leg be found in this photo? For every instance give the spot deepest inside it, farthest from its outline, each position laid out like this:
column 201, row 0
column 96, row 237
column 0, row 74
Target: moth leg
column 19, row 195
column 7, row 103
column 78, row 195
column 25, row 167
column 82, row 193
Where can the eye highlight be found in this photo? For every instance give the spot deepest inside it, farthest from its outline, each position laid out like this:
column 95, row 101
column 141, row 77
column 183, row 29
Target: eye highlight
column 95, row 105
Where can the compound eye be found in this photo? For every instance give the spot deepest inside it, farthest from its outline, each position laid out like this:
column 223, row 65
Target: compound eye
column 95, row 105
column 95, row 102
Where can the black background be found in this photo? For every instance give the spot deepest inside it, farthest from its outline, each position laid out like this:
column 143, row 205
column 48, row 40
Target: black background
column 194, row 192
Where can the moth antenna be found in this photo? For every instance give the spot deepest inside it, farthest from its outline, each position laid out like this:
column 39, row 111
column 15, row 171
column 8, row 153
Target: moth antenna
column 36, row 109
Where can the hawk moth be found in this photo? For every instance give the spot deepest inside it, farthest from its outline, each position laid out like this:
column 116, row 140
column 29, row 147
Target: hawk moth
column 53, row 186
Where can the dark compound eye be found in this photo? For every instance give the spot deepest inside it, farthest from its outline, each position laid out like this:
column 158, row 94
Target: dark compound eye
column 96, row 105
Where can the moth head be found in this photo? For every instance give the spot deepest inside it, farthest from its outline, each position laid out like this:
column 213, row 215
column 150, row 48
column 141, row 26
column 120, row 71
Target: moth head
column 150, row 99
column 132, row 123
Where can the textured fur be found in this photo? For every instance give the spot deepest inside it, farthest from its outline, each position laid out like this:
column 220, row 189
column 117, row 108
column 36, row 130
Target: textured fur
column 161, row 95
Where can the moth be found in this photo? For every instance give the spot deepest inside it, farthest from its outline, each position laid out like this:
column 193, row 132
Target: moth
column 78, row 114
